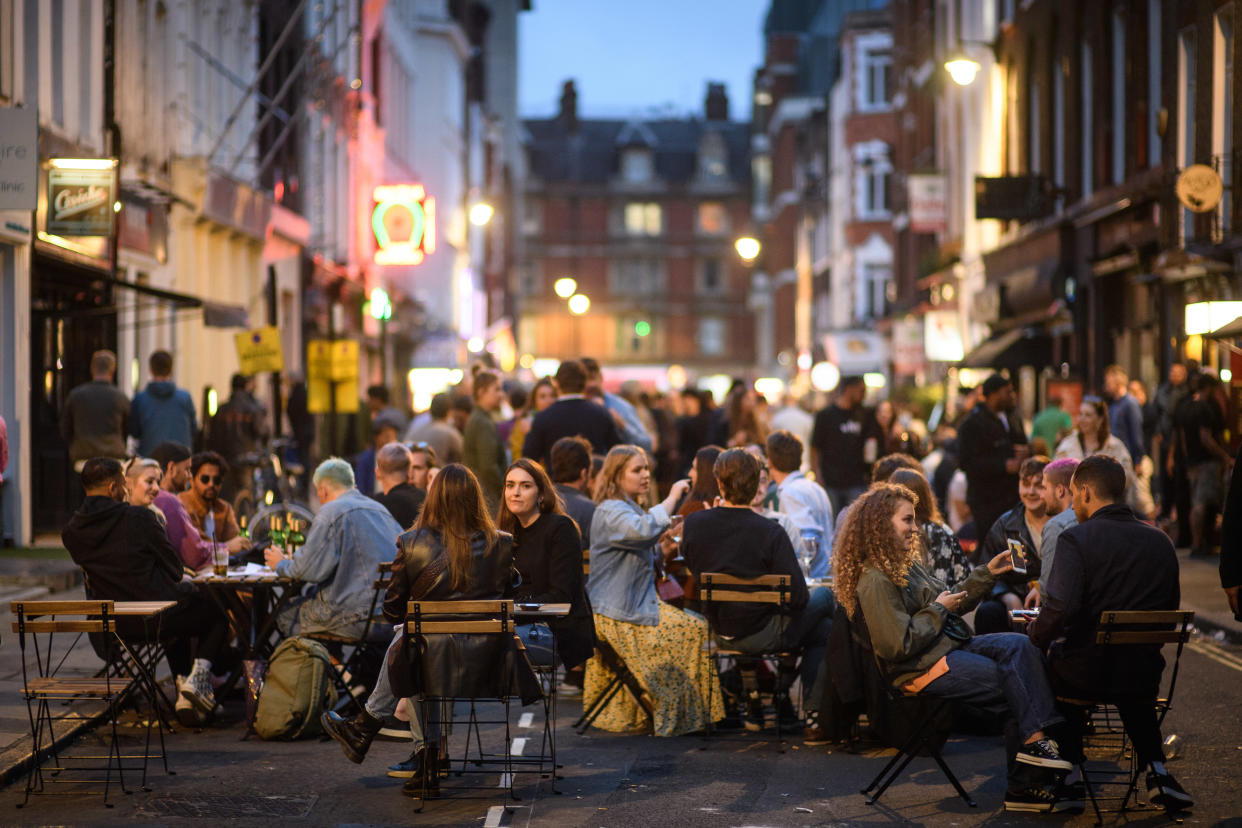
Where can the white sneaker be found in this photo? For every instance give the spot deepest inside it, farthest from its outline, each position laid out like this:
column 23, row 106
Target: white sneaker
column 197, row 690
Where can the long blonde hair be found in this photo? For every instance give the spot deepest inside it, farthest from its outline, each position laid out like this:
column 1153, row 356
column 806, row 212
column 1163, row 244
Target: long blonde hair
column 866, row 536
column 607, row 486
column 455, row 508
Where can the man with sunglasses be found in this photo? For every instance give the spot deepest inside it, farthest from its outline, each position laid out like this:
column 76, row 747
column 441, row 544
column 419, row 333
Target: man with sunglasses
column 212, row 516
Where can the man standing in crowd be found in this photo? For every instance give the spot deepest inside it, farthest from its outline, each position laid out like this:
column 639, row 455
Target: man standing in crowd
column 350, row 537
column 1110, row 561
column 194, row 549
column 570, row 470
column 803, row 500
column 438, row 432
column 792, row 418
column 381, row 409
column 127, row 556
column 392, row 471
column 1230, row 541
column 212, row 516
column 736, row 541
column 422, row 461
column 162, row 412
column 1200, row 425
column 1125, row 415
column 238, row 428
column 992, row 445
column 1059, row 506
column 96, row 416
column 572, row 414
column 838, row 438
column 629, row 424
column 383, row 433
column 1053, row 423
column 1168, row 395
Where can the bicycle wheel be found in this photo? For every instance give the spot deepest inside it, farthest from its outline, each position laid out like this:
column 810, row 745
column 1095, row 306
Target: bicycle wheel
column 260, row 524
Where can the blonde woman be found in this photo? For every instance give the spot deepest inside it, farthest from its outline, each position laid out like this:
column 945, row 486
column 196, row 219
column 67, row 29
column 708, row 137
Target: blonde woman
column 142, row 484
column 663, row 646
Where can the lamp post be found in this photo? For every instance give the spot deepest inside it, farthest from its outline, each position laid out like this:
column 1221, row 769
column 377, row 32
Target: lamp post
column 381, row 311
column 750, row 251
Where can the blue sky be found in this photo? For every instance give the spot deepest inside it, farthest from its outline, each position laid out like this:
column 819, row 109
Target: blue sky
column 630, row 56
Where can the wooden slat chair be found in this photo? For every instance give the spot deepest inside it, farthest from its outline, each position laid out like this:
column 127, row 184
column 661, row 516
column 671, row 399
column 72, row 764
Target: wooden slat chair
column 475, row 618
column 721, row 588
column 365, row 650
column 586, row 563
column 1127, row 628
column 46, row 637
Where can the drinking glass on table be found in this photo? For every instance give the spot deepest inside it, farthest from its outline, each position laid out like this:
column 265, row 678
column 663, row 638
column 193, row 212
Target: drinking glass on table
column 807, row 549
column 220, row 559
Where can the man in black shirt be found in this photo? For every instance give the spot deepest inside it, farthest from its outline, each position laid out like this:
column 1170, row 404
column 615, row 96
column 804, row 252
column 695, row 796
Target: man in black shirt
column 991, row 447
column 1200, row 425
column 571, row 467
column 399, row 497
column 734, row 540
column 838, row 444
column 572, row 414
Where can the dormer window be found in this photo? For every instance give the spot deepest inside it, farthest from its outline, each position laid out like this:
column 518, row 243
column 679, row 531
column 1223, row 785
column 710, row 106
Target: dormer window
column 713, row 157
column 637, row 166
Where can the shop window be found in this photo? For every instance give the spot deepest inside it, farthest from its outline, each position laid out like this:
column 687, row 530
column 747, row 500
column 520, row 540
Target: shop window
column 643, row 219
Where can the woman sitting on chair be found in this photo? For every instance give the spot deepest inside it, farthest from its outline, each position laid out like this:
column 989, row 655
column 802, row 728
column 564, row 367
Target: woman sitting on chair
column 453, row 553
column 662, row 645
column 548, row 556
column 925, row 647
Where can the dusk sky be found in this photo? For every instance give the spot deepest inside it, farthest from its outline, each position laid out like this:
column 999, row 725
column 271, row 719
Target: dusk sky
column 630, row 57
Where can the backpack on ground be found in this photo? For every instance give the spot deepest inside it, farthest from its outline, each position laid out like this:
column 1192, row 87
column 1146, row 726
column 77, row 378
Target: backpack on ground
column 296, row 692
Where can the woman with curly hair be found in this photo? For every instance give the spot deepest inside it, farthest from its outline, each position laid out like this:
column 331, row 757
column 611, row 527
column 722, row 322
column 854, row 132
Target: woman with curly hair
column 925, row 648
column 942, row 554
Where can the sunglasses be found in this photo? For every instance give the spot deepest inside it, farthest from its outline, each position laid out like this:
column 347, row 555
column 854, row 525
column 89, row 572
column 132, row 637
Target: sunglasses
column 210, row 478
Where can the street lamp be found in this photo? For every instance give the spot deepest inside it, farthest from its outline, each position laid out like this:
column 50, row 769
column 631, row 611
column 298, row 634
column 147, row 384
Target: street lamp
column 579, row 304
column 481, row 213
column 565, row 287
column 381, row 311
column 962, row 69
column 748, row 248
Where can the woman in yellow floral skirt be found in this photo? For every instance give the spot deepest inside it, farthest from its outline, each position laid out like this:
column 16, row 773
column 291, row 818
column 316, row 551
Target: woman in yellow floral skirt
column 663, row 646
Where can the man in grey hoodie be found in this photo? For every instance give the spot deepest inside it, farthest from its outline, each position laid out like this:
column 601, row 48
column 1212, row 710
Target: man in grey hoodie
column 162, row 412
column 96, row 415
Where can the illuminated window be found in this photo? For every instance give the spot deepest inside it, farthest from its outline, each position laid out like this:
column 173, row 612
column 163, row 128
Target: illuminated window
column 643, row 219
column 713, row 220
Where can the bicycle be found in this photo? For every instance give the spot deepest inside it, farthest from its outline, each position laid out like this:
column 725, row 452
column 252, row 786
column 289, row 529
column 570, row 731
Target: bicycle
column 275, row 482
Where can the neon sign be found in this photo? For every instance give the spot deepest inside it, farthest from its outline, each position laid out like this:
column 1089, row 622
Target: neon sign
column 404, row 223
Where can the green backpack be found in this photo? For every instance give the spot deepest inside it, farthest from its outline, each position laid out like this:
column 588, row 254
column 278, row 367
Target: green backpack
column 296, row 692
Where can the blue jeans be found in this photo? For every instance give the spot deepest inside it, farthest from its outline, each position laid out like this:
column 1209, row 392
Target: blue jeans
column 537, row 638
column 382, row 703
column 998, row 672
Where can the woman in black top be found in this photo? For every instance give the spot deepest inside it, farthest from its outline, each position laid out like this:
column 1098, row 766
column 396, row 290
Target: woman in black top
column 548, row 557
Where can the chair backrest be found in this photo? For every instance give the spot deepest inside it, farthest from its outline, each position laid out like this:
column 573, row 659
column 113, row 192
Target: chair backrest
column 40, row 616
column 475, row 617
column 1144, row 627
column 586, row 561
column 720, row 588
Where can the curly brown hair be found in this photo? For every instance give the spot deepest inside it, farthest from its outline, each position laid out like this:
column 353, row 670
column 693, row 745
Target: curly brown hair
column 866, row 536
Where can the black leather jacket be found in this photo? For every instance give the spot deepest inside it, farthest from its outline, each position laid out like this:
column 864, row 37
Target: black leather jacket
column 458, row 665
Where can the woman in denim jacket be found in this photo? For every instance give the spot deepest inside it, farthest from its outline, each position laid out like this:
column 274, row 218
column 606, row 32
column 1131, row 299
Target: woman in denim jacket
column 663, row 646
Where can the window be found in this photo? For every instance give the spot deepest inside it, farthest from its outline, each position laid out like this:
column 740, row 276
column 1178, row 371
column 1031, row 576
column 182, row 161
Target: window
column 530, row 217
column 713, row 221
column 875, row 279
column 711, row 277
column 1119, row 97
column 636, row 277
column 57, row 61
column 711, row 338
column 1186, row 115
column 1058, row 124
column 643, row 219
column 761, row 172
column 873, row 170
column 636, row 166
column 1222, row 111
column 713, row 156
column 528, row 276
column 1154, row 69
column 1088, row 123
column 876, row 66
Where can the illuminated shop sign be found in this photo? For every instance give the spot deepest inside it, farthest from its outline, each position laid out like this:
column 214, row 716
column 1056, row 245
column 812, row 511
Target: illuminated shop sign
column 404, row 221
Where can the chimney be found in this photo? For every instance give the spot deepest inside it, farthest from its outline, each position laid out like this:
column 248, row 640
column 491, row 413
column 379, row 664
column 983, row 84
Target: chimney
column 717, row 103
column 569, row 106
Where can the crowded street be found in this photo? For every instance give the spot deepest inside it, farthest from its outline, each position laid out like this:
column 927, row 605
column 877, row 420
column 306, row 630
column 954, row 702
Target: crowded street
column 574, row 413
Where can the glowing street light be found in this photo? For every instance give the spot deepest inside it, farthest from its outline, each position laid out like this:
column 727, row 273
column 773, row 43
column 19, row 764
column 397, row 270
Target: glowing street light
column 565, row 287
column 962, row 69
column 579, row 304
column 481, row 213
column 475, row 344
column 381, row 305
column 747, row 248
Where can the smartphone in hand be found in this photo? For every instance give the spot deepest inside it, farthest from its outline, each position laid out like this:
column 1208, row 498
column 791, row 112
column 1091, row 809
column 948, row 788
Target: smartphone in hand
column 1017, row 552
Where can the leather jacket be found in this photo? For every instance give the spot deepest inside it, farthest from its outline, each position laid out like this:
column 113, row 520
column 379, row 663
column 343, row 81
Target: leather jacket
column 458, row 665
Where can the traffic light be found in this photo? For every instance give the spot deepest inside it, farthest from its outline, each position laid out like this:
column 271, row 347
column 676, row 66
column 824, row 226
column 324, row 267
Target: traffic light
column 642, row 327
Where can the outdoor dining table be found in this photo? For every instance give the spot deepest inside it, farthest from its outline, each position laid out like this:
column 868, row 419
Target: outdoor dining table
column 254, row 620
column 146, row 653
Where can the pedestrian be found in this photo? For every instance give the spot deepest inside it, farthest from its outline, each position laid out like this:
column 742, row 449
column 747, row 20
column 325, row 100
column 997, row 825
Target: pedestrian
column 1093, row 435
column 438, row 432
column 397, row 495
column 703, row 489
column 381, row 410
column 1053, row 423
column 692, row 426
column 572, row 414
column 162, row 412
column 1230, row 540
column 1200, row 424
column 1168, row 395
column 792, row 417
column 484, row 452
column 571, row 468
column 803, row 500
column 629, row 423
column 384, row 432
column 991, row 446
column 238, row 428
column 96, row 416
column 746, row 423
column 1125, row 416
column 542, row 395
column 839, row 439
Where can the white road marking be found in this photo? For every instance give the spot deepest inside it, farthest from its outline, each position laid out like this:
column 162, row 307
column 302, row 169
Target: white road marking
column 1216, row 653
column 494, row 815
column 526, row 720
column 519, row 745
column 506, row 780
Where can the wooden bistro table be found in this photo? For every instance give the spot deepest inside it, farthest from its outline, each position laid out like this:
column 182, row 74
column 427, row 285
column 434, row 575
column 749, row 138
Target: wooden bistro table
column 526, row 613
column 251, row 601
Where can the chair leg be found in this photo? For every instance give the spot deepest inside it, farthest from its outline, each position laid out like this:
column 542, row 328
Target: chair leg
column 1086, row 783
column 903, row 751
column 906, row 759
column 952, row 778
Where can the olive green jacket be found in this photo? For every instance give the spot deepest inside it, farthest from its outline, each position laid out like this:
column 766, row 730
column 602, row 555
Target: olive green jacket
column 906, row 624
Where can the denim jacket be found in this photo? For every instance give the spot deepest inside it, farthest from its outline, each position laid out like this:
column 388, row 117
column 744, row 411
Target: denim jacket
column 348, row 540
column 623, row 549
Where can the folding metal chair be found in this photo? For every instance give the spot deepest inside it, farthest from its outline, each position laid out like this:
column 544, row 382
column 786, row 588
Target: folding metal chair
column 622, row 679
column 724, row 589
column 366, row 649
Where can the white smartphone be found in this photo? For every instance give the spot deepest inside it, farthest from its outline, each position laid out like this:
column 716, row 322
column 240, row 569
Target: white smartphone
column 1018, row 553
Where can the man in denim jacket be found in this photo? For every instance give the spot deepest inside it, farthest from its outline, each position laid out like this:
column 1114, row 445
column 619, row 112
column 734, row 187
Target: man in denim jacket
column 351, row 536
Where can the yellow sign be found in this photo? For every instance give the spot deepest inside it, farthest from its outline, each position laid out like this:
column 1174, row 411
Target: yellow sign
column 259, row 351
column 319, row 396
column 1199, row 188
column 332, row 360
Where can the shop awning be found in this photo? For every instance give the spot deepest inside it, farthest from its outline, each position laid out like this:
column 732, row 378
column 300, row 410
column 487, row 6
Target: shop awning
column 215, row 314
column 856, row 352
column 1231, row 330
column 1020, row 346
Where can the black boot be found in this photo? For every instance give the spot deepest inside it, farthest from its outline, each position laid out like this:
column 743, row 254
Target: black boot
column 354, row 734
column 425, row 783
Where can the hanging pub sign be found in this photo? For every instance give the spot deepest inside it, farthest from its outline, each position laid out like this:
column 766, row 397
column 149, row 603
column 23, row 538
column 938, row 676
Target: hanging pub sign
column 1199, row 188
column 80, row 200
column 404, row 223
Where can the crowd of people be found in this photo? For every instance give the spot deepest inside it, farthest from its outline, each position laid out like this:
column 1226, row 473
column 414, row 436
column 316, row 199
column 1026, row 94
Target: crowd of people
column 921, row 546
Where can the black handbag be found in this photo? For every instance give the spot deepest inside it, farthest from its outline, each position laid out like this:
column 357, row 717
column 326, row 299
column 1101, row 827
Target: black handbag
column 404, row 666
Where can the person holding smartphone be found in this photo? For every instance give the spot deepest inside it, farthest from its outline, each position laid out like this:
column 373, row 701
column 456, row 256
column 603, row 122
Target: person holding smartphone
column 1019, row 530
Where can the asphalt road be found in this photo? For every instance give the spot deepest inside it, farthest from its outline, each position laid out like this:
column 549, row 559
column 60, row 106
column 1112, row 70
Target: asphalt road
column 612, row 780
